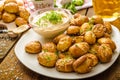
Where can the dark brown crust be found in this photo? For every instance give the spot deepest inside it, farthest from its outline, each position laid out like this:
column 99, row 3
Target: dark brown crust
column 33, row 47
column 47, row 59
column 83, row 64
column 66, row 67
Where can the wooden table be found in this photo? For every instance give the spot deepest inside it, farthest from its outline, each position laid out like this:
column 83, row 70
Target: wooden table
column 12, row 69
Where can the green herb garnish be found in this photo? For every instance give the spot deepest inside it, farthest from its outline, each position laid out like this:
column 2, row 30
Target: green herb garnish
column 57, row 52
column 45, row 50
column 52, row 17
column 78, row 2
column 104, row 47
column 71, row 7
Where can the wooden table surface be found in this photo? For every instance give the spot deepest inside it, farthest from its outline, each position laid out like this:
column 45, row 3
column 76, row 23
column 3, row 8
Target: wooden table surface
column 12, row 69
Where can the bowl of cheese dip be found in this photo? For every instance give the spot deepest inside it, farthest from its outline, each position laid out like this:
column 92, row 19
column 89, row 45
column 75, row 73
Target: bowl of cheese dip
column 50, row 22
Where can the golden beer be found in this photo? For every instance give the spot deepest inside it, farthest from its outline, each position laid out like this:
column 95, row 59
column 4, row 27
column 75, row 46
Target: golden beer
column 106, row 8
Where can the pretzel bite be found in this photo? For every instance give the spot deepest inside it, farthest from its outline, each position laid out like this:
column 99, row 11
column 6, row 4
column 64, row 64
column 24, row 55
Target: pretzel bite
column 1, row 6
column 8, row 1
column 57, row 38
column 65, row 64
column 20, row 2
column 33, row 47
column 23, row 13
column 83, row 64
column 93, row 57
column 108, row 27
column 49, row 47
column 79, row 21
column 8, row 17
column 78, row 39
column 20, row 21
column 96, row 19
column 63, row 54
column 107, row 41
column 107, row 35
column 79, row 49
column 11, row 7
column 104, row 53
column 76, row 15
column 94, row 48
column 84, row 28
column 90, row 37
column 47, row 59
column 98, row 30
column 20, row 9
column 64, row 43
column 73, row 30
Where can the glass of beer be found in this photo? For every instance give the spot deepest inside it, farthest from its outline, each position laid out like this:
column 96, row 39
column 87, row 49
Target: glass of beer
column 106, row 8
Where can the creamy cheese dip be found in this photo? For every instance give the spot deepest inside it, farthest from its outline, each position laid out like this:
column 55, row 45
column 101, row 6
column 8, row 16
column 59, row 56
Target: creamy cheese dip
column 57, row 18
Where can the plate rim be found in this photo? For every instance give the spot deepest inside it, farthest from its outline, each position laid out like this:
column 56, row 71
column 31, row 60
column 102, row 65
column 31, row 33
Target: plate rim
column 15, row 49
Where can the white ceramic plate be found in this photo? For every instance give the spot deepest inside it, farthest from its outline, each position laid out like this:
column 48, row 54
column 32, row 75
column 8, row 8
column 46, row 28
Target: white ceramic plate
column 30, row 60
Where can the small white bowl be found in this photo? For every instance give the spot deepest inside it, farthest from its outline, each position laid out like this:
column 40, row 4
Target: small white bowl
column 49, row 32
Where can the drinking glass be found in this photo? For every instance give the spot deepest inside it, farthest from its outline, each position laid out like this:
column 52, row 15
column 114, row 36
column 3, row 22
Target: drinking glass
column 106, row 8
